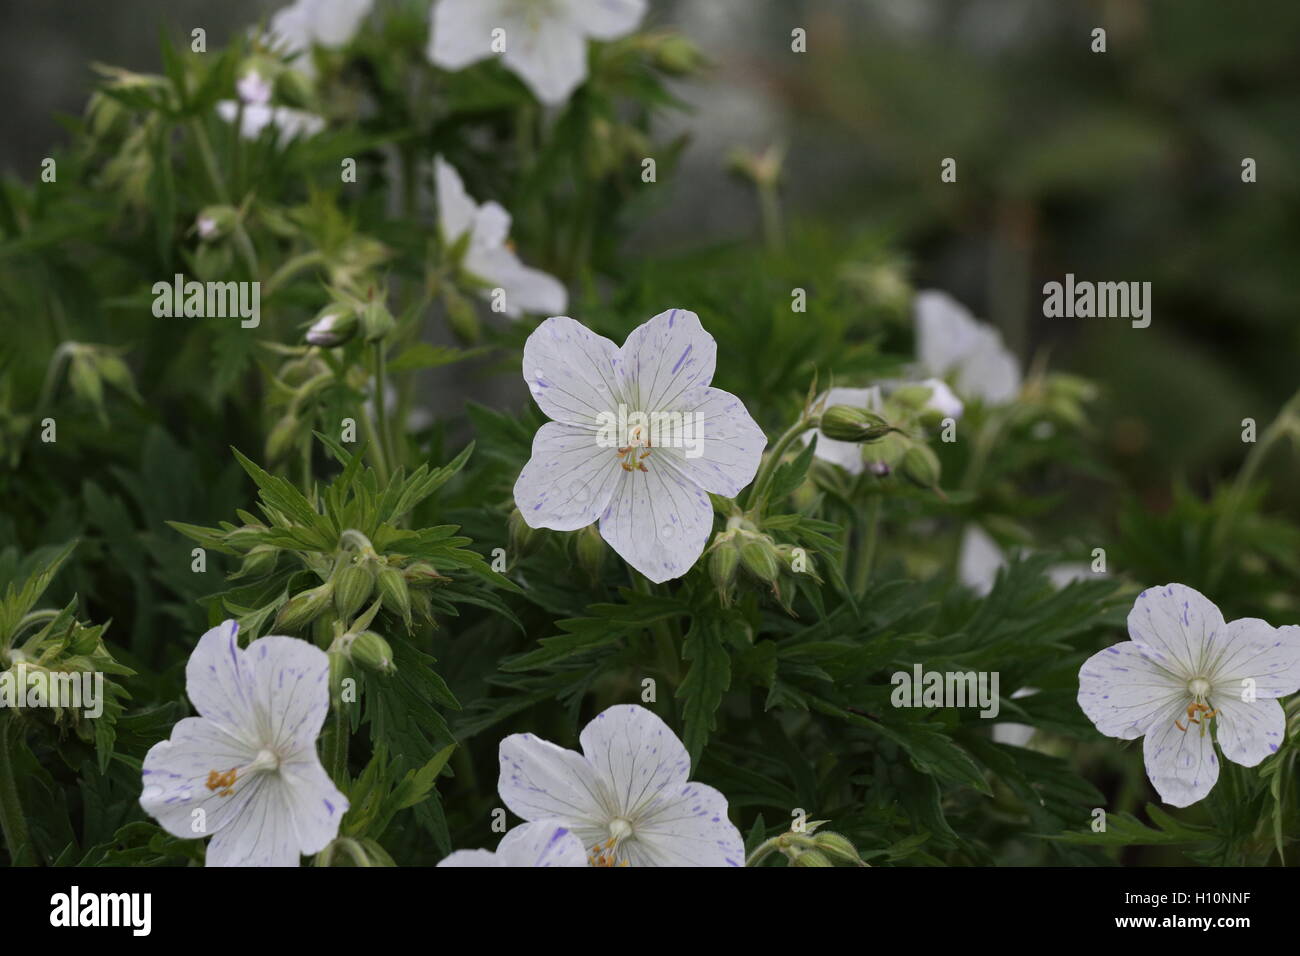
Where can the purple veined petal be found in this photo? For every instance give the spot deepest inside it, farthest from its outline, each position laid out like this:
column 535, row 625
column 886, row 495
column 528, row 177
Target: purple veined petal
column 572, row 372
column 1255, row 650
column 1123, row 690
column 658, row 521
column 1179, row 626
column 637, row 755
column 549, row 54
column 719, row 446
column 666, row 360
column 471, row 858
column 1181, row 764
column 291, row 691
column 219, row 681
column 315, row 804
column 688, row 828
column 540, row 781
column 606, row 19
column 544, row 843
column 569, row 479
column 177, row 773
column 262, row 832
column 460, row 32
column 1248, row 731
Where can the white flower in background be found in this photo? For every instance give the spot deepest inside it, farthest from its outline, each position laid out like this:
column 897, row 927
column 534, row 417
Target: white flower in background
column 1184, row 672
column 289, row 123
column 253, row 88
column 488, row 254
column 951, row 343
column 943, row 399
column 545, row 843
column 846, row 454
column 246, row 770
column 980, row 560
column 329, row 23
column 545, row 40
column 1010, row 732
column 626, row 796
column 637, row 438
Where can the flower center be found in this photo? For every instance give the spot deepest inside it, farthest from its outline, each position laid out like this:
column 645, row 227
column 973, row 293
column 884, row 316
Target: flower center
column 1198, row 711
column 638, row 437
column 606, row 854
column 224, row 781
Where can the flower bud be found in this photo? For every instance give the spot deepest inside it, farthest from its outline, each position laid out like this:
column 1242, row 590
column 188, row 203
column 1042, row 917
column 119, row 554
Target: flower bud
column 811, row 858
column 591, row 550
column 724, row 559
column 334, row 326
column 758, row 555
column 837, row 848
column 245, row 537
column 921, row 465
column 394, row 592
column 677, row 55
column 85, row 380
column 372, row 652
column 259, row 562
column 845, row 423
column 216, row 222
column 353, row 582
column 461, row 317
column 422, row 574
column 885, row 454
column 524, row 539
column 280, row 439
column 376, row 320
column 303, row 608
column 340, row 670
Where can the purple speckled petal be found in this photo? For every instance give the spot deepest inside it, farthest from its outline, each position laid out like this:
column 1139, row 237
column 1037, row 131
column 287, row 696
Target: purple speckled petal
column 176, row 773
column 572, row 372
column 665, row 360
column 569, row 479
column 721, row 446
column 1177, row 624
column 219, row 678
column 545, row 843
column 1267, row 655
column 1123, row 689
column 1248, row 732
column 689, row 827
column 1181, row 764
column 658, row 521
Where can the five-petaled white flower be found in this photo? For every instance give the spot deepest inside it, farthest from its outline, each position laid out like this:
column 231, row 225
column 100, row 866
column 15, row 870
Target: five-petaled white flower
column 543, row 41
column 246, row 770
column 637, row 437
column 951, row 343
column 626, row 796
column 1184, row 672
column 488, row 256
column 545, row 843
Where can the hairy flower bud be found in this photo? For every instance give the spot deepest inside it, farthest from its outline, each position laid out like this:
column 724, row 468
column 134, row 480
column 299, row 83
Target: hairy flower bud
column 333, row 327
column 524, row 540
column 758, row 555
column 724, row 559
column 353, row 583
column 837, row 848
column 372, row 652
column 303, row 608
column 216, row 222
column 845, row 423
column 591, row 549
column 921, row 465
column 394, row 592
column 811, row 858
column 259, row 562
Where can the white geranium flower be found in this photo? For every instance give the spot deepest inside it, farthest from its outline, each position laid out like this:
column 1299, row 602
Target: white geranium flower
column 545, row 843
column 329, row 23
column 246, row 770
column 1184, row 672
column 951, row 343
column 846, row 454
column 545, row 40
column 943, row 399
column 637, row 437
column 253, row 88
column 289, row 123
column 626, row 796
column 488, row 255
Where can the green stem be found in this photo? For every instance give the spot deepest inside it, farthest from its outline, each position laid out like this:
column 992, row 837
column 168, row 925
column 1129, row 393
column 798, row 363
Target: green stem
column 760, row 489
column 12, row 822
column 381, row 403
column 868, row 521
column 339, row 748
column 209, row 160
column 1284, row 425
column 666, row 654
column 290, row 269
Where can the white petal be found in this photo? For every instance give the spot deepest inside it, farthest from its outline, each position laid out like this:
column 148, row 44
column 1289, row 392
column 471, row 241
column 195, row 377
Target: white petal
column 990, row 371
column 175, row 777
column 1124, row 690
column 526, row 289
column 719, row 448
column 1181, row 764
column 461, row 32
column 980, row 560
column 658, row 521
column 540, row 781
column 1255, row 650
column 290, row 29
column 291, row 691
column 1248, row 732
column 334, row 22
column 472, row 858
column 261, row 833
column 688, row 828
column 456, row 210
column 550, row 56
column 665, row 359
column 946, row 332
column 606, row 19
column 942, row 399
column 639, row 758
column 569, row 479
column 846, row 454
column 545, row 843
column 316, row 806
column 1179, row 625
column 219, row 681
column 571, row 371
column 491, row 226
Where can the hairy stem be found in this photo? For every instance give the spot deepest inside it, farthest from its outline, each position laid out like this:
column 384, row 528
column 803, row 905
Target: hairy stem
column 12, row 822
